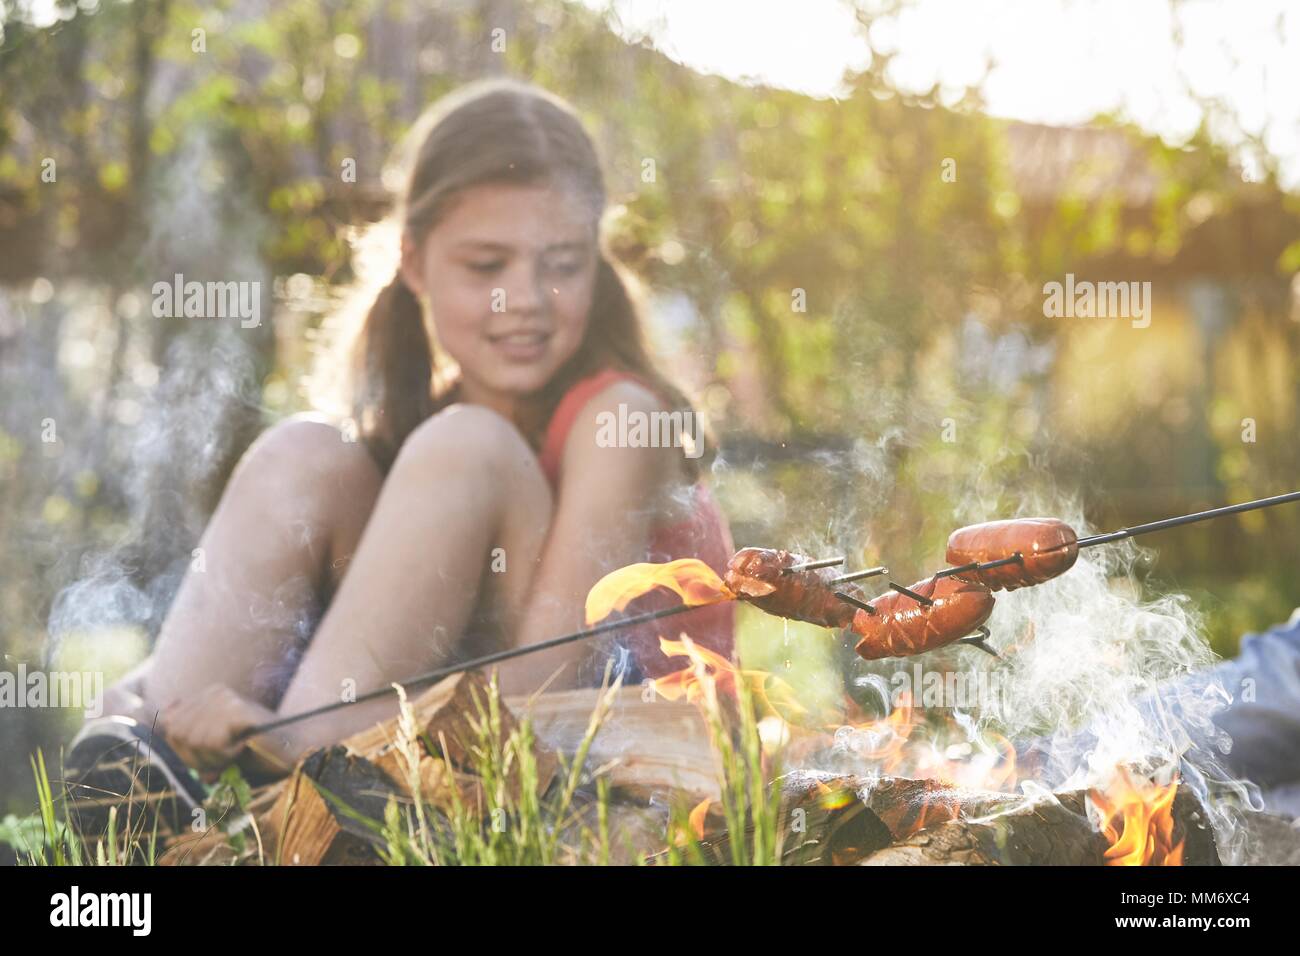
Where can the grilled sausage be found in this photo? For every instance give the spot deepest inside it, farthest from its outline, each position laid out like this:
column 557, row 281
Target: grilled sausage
column 754, row 575
column 902, row 626
column 1048, row 547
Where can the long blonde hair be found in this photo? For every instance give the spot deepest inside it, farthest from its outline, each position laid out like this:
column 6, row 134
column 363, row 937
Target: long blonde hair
column 493, row 131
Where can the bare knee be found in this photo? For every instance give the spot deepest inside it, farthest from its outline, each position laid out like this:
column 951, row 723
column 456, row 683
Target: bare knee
column 489, row 462
column 481, row 457
column 469, row 434
column 305, row 448
column 314, row 480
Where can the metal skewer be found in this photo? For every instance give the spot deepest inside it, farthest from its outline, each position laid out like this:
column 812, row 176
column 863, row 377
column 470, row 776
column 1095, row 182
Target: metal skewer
column 432, row 677
column 861, row 605
column 441, row 673
column 1161, row 525
column 1016, row 558
column 813, row 565
column 919, row 598
column 857, row 576
column 1133, row 532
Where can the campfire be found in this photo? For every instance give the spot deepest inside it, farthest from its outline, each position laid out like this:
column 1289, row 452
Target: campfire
column 1138, row 820
column 716, row 763
column 921, row 808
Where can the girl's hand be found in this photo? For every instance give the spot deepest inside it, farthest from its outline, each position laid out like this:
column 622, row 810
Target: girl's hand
column 201, row 729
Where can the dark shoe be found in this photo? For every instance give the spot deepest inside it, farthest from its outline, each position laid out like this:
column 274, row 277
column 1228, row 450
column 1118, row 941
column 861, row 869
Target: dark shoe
column 117, row 761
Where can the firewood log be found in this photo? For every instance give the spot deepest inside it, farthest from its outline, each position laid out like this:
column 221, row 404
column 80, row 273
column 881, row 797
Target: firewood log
column 894, row 821
column 1054, row 831
column 648, row 746
column 308, row 828
column 445, row 713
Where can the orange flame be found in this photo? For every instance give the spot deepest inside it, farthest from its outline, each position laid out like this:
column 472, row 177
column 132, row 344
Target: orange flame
column 698, row 817
column 904, row 746
column 1138, row 820
column 708, row 673
column 681, row 834
column 690, row 578
column 884, row 738
column 988, row 763
column 904, row 743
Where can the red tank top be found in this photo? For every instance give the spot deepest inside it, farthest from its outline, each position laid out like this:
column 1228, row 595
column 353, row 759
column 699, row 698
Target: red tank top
column 704, row 535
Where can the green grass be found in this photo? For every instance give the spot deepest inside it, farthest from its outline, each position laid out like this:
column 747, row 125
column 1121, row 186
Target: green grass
column 517, row 824
column 750, row 790
column 515, row 821
column 46, row 839
column 511, row 818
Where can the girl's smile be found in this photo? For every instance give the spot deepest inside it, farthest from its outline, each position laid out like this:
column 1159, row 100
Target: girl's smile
column 521, row 346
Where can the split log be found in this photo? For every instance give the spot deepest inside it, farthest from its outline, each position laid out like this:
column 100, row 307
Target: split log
column 1051, row 832
column 434, row 773
column 893, row 821
column 649, row 747
column 308, row 827
column 446, row 708
column 445, row 714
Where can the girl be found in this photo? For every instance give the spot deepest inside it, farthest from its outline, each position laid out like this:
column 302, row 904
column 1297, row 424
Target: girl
column 478, row 507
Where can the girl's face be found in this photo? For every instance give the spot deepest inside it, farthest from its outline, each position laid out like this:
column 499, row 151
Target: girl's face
column 508, row 274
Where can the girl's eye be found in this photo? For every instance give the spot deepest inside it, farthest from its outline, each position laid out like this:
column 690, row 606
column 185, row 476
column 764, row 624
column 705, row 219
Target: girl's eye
column 565, row 267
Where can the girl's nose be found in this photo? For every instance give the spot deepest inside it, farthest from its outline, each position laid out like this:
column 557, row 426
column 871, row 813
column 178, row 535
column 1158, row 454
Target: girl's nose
column 526, row 291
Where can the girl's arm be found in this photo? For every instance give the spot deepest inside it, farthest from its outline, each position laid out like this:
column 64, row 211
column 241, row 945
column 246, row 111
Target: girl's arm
column 608, row 502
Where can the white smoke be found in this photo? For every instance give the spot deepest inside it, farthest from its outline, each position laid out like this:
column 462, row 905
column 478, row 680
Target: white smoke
column 166, row 457
column 1093, row 676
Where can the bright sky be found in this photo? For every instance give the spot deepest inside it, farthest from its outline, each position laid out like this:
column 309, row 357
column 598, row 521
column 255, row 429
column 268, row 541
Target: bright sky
column 1057, row 61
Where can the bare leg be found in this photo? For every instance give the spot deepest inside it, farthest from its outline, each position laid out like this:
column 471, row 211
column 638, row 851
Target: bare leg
column 464, row 485
column 300, row 505
column 278, row 542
